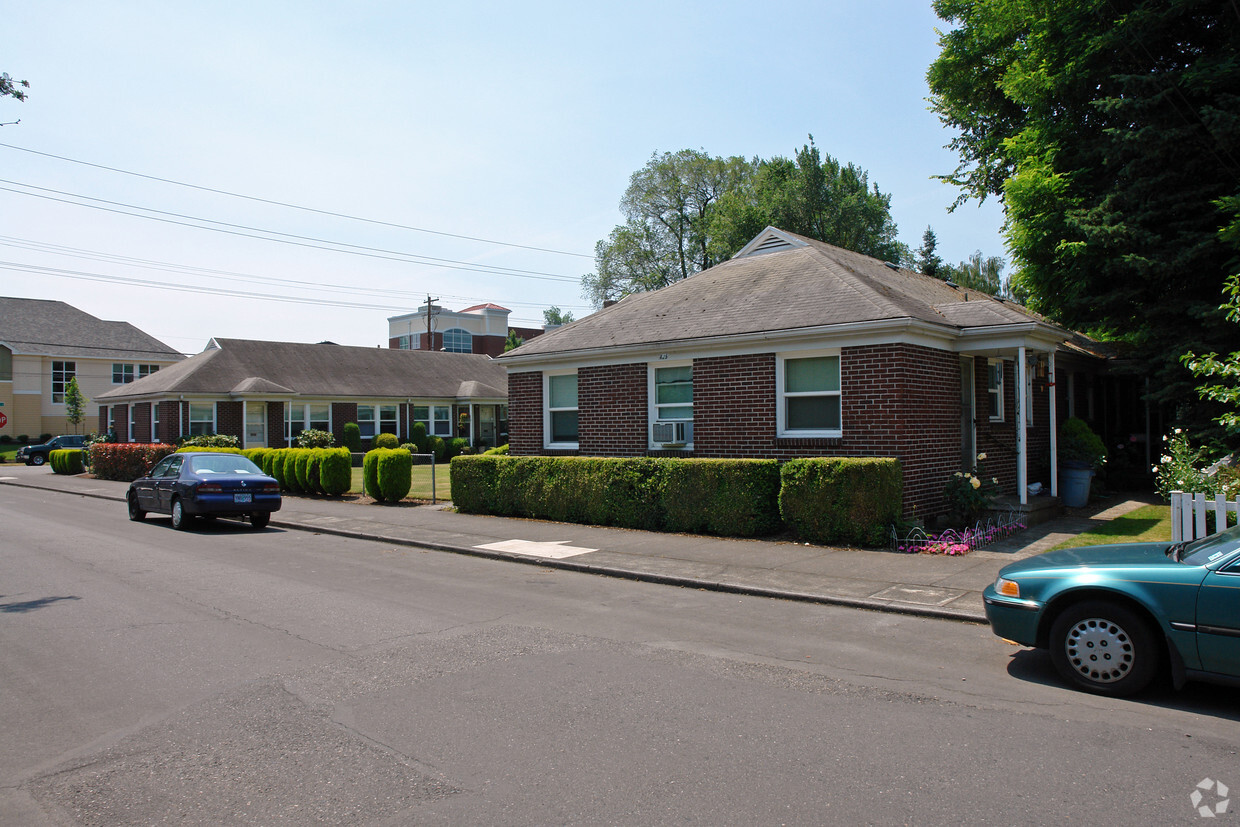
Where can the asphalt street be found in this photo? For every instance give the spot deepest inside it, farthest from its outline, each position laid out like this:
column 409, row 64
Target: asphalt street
column 225, row 676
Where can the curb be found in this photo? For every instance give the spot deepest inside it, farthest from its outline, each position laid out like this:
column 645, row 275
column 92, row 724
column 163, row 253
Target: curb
column 869, row 604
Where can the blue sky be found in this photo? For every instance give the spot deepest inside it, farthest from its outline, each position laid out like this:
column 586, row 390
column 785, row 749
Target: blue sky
column 512, row 123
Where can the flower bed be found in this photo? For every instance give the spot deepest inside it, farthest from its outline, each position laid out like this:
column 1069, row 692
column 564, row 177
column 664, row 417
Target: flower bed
column 955, row 543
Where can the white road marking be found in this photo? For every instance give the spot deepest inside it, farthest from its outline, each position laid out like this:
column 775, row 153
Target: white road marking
column 552, row 551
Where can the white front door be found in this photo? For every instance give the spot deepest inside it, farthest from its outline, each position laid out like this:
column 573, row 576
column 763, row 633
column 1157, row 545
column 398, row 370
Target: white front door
column 256, row 425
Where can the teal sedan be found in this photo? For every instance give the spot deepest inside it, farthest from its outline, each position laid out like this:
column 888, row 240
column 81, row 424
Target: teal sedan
column 1114, row 617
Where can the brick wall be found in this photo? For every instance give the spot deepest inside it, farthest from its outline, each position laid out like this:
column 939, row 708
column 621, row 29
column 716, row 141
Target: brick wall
column 525, row 422
column 142, row 422
column 612, row 416
column 230, row 419
column 342, row 414
column 275, row 425
column 169, row 422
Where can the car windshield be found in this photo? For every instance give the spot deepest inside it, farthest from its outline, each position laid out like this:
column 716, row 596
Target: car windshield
column 223, row 464
column 1215, row 547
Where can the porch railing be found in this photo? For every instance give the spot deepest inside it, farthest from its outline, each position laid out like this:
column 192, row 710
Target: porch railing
column 1188, row 514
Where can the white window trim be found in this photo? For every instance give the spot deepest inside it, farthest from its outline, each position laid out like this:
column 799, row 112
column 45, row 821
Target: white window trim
column 781, row 412
column 652, row 412
column 546, row 406
column 996, row 417
column 189, row 417
column 131, row 373
column 429, row 422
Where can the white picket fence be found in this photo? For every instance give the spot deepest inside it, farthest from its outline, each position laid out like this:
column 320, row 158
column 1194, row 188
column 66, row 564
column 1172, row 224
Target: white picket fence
column 1188, row 514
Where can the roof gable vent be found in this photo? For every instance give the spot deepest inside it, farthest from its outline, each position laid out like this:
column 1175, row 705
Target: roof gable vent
column 770, row 240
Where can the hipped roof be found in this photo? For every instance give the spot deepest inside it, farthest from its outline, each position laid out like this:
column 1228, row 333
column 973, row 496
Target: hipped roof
column 42, row 327
column 237, row 367
column 781, row 282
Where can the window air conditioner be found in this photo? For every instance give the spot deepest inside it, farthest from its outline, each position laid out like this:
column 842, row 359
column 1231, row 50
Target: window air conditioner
column 671, row 434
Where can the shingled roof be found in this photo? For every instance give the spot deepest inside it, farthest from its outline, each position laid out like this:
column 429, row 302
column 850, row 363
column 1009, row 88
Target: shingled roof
column 236, row 367
column 41, row 327
column 781, row 282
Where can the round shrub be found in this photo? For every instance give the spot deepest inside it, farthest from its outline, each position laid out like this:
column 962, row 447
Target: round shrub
column 66, row 461
column 436, row 445
column 417, row 435
column 385, row 440
column 314, row 438
column 387, row 474
column 301, row 462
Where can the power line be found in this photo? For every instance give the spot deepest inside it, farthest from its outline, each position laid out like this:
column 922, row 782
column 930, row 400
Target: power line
column 279, row 237
column 295, row 206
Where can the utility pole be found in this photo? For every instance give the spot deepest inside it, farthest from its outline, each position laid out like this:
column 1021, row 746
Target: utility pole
column 430, row 313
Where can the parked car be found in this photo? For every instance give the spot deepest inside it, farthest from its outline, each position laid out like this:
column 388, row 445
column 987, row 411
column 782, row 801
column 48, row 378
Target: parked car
column 1113, row 617
column 194, row 484
column 37, row 454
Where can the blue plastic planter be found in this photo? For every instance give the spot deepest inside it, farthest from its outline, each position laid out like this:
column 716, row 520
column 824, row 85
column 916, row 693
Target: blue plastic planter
column 1074, row 479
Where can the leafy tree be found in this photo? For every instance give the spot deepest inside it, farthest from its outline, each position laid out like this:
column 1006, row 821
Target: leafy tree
column 813, row 196
column 13, row 88
column 687, row 211
column 1224, row 369
column 513, row 340
column 1109, row 131
column 75, row 404
column 665, row 236
column 553, row 315
column 983, row 273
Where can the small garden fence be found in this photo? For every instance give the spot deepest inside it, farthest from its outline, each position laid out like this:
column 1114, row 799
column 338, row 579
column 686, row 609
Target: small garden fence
column 1188, row 514
column 952, row 542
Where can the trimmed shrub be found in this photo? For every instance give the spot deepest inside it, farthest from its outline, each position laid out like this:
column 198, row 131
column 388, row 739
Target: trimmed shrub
column 417, row 435
column 497, row 451
column 387, row 474
column 301, row 469
column 385, row 440
column 435, row 445
column 336, row 471
column 474, row 484
column 125, row 461
column 315, row 466
column 727, row 497
column 44, row 438
column 352, row 437
column 841, row 500
column 277, row 460
column 457, row 446
column 66, row 460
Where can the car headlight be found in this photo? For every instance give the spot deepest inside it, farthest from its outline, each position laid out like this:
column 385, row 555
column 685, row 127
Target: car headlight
column 1007, row 588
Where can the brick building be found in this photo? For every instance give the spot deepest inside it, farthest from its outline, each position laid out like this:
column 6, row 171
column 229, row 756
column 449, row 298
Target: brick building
column 795, row 348
column 482, row 328
column 265, row 393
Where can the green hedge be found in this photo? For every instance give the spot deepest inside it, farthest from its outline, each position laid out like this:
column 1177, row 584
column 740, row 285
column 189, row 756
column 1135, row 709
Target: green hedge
column 67, row 460
column 335, row 471
column 387, row 474
column 822, row 500
column 841, row 500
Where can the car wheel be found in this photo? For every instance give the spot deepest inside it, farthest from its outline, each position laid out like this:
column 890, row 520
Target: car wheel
column 259, row 521
column 180, row 520
column 135, row 513
column 1104, row 648
column 37, row 459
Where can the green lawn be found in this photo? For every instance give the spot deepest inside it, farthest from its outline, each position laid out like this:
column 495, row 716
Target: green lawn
column 1148, row 524
column 421, row 489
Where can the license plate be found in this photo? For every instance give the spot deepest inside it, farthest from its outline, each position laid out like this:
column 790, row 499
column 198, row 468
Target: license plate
column 243, row 498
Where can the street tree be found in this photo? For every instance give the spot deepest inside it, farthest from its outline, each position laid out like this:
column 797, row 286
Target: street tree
column 554, row 316
column 1110, row 132
column 75, row 404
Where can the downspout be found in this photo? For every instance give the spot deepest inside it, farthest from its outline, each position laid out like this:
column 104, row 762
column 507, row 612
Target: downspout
column 1050, row 380
column 1022, row 459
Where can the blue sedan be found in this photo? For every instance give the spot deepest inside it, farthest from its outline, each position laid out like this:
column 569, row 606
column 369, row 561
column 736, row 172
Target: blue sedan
column 188, row 485
column 1113, row 617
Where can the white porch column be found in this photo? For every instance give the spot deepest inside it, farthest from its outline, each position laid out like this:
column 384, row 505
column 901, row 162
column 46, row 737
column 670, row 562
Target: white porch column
column 1050, row 381
column 472, row 429
column 1022, row 452
column 245, row 423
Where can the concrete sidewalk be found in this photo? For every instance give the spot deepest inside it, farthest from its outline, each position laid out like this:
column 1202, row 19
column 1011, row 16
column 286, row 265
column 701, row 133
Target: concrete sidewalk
column 928, row 585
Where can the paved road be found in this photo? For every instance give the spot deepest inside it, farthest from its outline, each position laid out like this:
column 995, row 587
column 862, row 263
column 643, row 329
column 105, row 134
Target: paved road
column 233, row 677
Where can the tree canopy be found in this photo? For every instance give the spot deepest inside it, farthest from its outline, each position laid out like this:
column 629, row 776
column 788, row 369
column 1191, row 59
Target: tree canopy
column 687, row 211
column 13, row 88
column 1110, row 130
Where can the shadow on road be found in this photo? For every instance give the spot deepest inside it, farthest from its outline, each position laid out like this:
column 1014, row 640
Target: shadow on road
column 30, row 605
column 1034, row 666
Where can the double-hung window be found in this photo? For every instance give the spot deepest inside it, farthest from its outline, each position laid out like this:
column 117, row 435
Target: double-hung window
column 62, row 372
column 809, row 395
column 201, row 418
column 437, row 419
column 994, row 388
column 671, row 395
column 122, row 374
column 376, row 419
column 560, row 423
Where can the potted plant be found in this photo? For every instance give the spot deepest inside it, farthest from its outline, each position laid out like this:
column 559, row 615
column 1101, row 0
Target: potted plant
column 1081, row 453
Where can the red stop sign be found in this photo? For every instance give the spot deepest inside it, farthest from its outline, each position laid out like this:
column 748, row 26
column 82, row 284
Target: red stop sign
column 4, row 420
